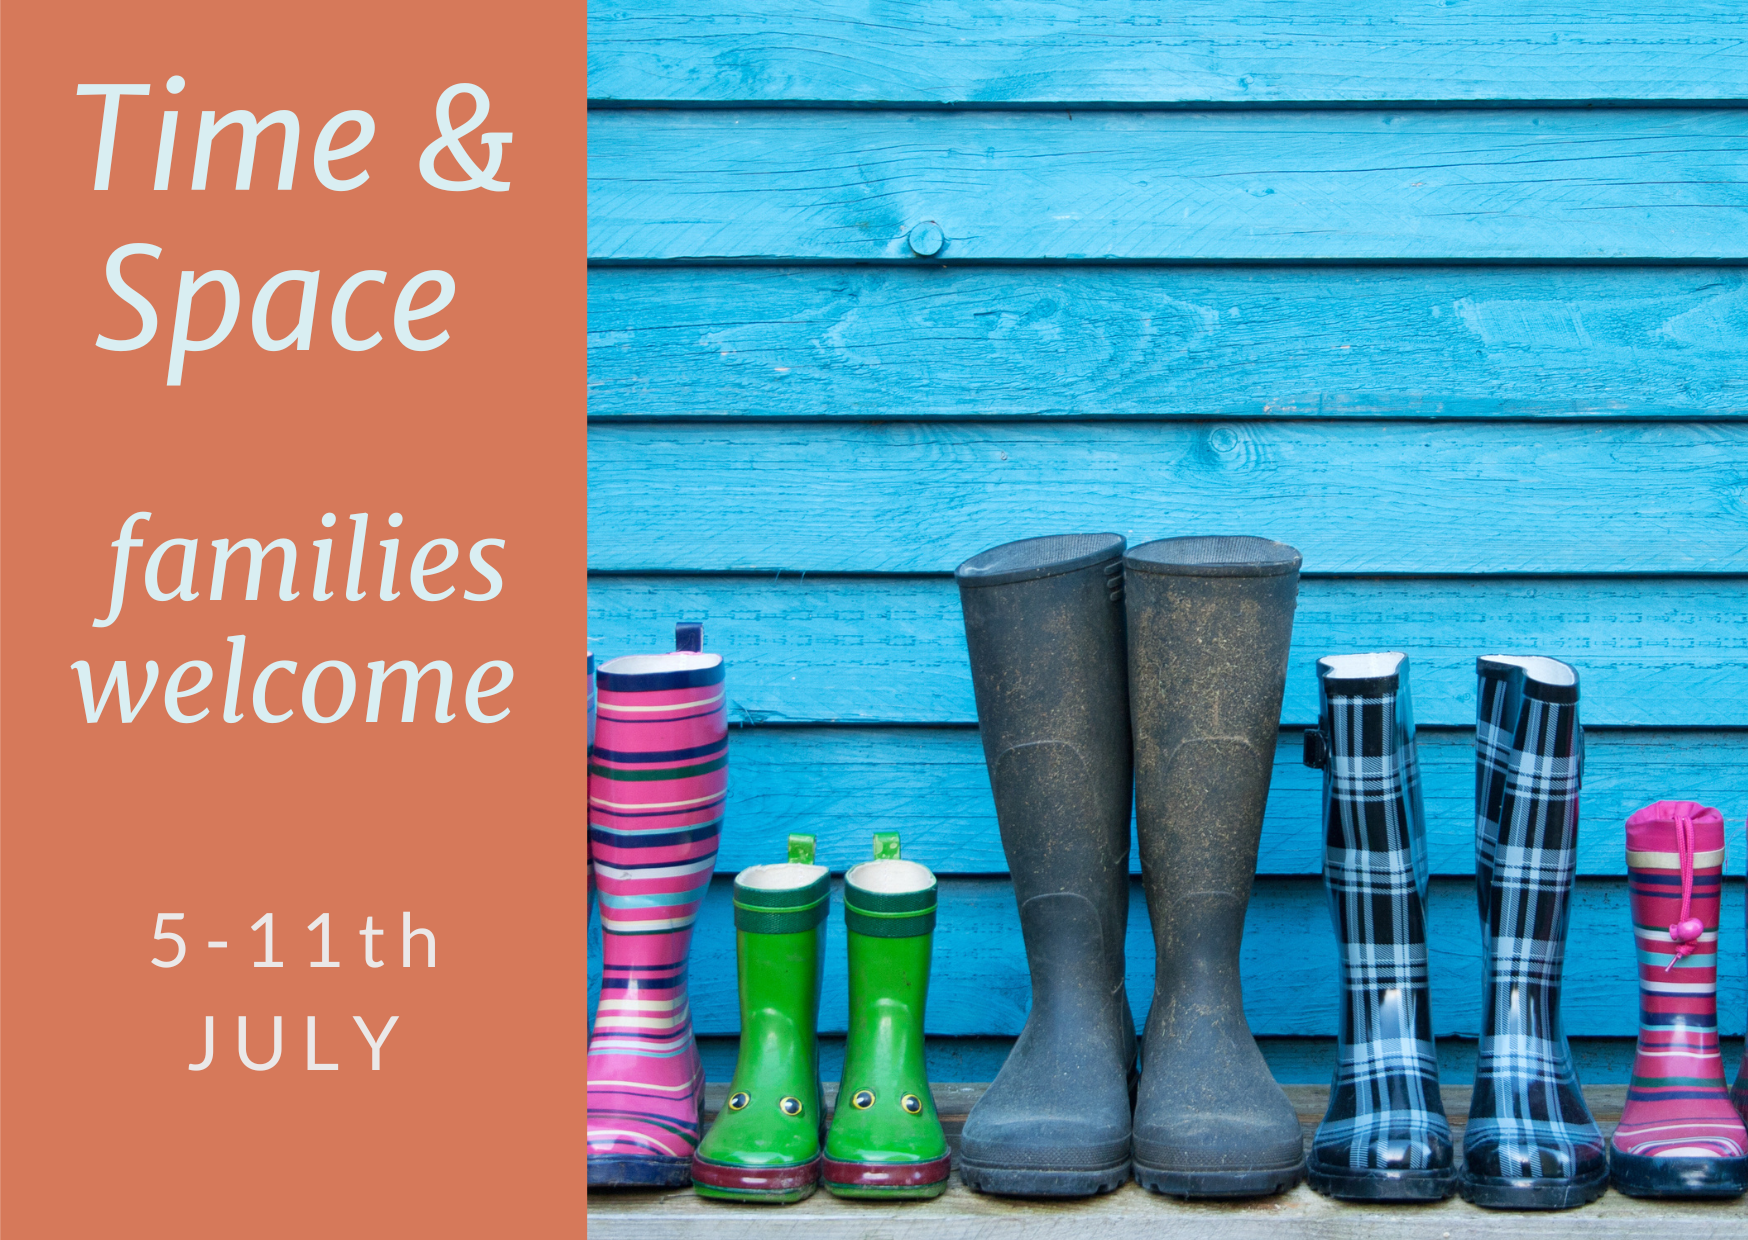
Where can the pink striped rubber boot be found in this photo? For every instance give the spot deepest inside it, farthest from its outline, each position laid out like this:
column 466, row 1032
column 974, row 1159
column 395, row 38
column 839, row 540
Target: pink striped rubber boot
column 1739, row 1095
column 658, row 777
column 1679, row 1136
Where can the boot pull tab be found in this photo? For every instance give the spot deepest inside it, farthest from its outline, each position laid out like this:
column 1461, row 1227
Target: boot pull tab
column 1114, row 580
column 886, row 846
column 801, row 850
column 1685, row 932
column 1316, row 749
column 689, row 637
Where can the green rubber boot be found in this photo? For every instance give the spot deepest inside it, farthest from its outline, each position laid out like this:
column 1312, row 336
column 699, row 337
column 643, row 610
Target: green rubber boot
column 886, row 1140
column 765, row 1144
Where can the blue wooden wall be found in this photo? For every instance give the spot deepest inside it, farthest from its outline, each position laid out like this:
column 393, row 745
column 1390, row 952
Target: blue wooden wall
column 1448, row 296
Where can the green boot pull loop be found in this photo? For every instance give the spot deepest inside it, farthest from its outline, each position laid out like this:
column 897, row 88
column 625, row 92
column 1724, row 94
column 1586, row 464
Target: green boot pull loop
column 886, row 1139
column 765, row 1144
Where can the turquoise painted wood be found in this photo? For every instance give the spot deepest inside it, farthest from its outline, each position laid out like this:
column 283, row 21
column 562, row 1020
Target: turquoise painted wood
column 1209, row 266
column 1125, row 52
column 980, row 986
column 1367, row 497
column 1574, row 185
column 931, row 786
column 945, row 342
column 1292, row 1061
column 1660, row 652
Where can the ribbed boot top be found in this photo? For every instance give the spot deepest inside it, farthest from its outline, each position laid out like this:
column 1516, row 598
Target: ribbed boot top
column 1031, row 558
column 786, row 898
column 890, row 899
column 1217, row 555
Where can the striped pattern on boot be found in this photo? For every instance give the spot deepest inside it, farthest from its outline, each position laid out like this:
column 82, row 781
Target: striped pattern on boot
column 1678, row 1106
column 658, row 779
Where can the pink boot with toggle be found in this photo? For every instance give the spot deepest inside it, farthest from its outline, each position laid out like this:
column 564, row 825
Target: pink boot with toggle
column 1679, row 1136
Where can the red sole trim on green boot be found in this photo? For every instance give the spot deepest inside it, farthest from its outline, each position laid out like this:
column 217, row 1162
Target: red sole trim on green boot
column 864, row 1179
column 778, row 1185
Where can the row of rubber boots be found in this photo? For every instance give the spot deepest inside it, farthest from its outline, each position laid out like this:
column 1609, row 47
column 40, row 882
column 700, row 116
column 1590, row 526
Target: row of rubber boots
column 1530, row 1141
column 657, row 783
column 1163, row 669
column 770, row 1142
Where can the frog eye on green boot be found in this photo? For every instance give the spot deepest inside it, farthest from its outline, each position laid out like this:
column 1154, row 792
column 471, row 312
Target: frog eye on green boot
column 887, row 1141
column 765, row 1145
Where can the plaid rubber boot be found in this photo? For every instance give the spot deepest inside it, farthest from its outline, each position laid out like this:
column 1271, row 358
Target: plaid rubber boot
column 1531, row 1143
column 1385, row 1136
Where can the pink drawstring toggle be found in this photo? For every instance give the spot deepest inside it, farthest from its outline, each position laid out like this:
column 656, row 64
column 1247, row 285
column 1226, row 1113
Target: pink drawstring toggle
column 1685, row 932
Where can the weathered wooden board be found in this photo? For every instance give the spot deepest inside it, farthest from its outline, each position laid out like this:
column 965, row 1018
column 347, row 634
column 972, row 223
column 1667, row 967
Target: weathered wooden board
column 1127, row 52
column 980, row 986
column 1132, row 1213
column 934, row 342
column 954, row 1101
column 1344, row 186
column 931, row 786
column 1360, row 498
column 1668, row 652
column 1293, row 1061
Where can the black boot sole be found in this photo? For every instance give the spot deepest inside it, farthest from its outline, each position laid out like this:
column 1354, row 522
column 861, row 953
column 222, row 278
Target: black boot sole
column 1028, row 1182
column 1256, row 1182
column 625, row 1171
column 1492, row 1192
column 1384, row 1185
column 1638, row 1176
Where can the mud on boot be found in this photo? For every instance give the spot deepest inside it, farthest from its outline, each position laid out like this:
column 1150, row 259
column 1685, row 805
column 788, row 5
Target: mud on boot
column 1044, row 626
column 1210, row 621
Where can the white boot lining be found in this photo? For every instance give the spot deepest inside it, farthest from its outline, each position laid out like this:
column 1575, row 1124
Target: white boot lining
column 783, row 876
column 1539, row 667
column 890, row 876
column 674, row 661
column 1363, row 666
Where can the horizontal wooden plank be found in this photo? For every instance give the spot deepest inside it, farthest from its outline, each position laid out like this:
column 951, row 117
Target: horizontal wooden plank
column 1668, row 652
column 931, row 786
column 1358, row 498
column 1244, row 52
column 1293, row 1061
column 1474, row 185
column 955, row 343
column 954, row 1101
column 980, row 986
column 1133, row 1213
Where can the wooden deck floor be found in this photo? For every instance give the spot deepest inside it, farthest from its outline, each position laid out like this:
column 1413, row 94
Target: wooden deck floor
column 1133, row 1212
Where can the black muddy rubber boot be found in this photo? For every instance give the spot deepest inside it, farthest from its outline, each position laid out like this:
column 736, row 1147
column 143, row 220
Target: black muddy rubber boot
column 1044, row 624
column 1210, row 620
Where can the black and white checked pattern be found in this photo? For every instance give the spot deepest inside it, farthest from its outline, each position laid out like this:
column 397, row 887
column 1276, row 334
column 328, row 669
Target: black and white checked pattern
column 1527, row 1118
column 1384, row 1107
